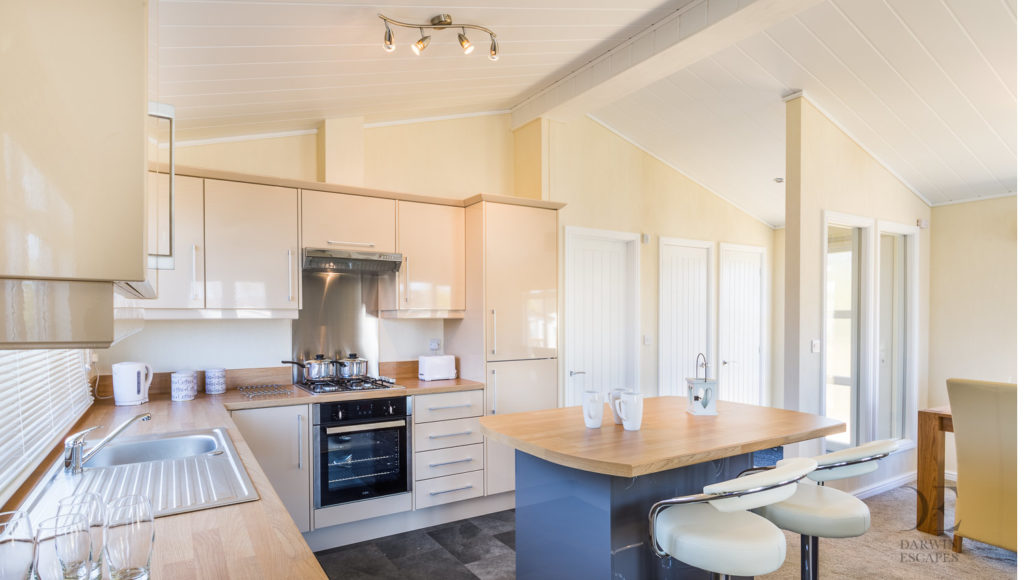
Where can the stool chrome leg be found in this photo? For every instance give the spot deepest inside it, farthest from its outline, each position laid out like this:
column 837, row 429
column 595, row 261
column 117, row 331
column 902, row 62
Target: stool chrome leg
column 806, row 558
column 814, row 557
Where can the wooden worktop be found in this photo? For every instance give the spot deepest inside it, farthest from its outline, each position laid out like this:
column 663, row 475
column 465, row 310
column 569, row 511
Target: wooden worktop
column 248, row 540
column 668, row 438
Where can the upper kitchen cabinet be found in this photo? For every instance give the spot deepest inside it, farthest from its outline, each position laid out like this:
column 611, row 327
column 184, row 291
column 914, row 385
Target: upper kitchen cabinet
column 521, row 281
column 182, row 287
column 347, row 222
column 432, row 280
column 252, row 252
column 73, row 105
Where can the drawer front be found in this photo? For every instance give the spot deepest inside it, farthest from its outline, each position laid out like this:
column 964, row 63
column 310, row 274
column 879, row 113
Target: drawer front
column 449, row 461
column 447, row 489
column 430, row 436
column 444, row 406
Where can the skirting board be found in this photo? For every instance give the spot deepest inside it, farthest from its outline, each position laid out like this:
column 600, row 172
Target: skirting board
column 885, row 485
column 370, row 529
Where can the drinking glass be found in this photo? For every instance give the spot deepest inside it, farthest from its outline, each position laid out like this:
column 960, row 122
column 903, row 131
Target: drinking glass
column 17, row 546
column 129, row 538
column 63, row 548
column 91, row 506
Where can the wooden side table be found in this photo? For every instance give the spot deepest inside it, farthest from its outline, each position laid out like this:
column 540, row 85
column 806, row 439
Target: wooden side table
column 932, row 426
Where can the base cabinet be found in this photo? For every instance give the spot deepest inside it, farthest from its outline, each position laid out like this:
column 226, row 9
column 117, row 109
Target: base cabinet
column 515, row 387
column 279, row 438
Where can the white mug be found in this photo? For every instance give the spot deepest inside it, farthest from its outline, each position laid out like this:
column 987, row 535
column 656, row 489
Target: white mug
column 613, row 396
column 593, row 409
column 631, row 407
column 183, row 386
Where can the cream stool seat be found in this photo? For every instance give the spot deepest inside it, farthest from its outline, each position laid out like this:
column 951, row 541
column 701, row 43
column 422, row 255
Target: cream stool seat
column 816, row 510
column 733, row 543
column 714, row 532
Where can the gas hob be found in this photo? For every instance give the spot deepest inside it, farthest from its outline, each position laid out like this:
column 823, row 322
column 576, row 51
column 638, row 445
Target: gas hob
column 347, row 385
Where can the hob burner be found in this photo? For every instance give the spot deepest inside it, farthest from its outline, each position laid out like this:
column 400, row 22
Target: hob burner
column 346, row 385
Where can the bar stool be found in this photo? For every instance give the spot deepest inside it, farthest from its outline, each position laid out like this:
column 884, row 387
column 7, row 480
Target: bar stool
column 714, row 532
column 816, row 511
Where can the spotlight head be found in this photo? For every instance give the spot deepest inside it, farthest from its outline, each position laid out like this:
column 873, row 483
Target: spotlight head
column 467, row 46
column 494, row 49
column 389, row 39
column 421, row 44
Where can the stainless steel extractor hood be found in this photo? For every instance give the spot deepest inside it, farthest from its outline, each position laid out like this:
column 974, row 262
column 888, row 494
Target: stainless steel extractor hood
column 321, row 260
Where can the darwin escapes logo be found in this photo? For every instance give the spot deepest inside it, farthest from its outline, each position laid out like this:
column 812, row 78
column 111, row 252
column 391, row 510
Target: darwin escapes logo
column 937, row 551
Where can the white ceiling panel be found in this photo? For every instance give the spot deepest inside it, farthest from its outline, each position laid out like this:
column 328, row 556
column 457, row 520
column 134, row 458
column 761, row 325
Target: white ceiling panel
column 926, row 86
column 230, row 65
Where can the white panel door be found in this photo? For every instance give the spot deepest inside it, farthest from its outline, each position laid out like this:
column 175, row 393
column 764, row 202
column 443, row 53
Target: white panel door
column 602, row 324
column 741, row 324
column 515, row 387
column 684, row 311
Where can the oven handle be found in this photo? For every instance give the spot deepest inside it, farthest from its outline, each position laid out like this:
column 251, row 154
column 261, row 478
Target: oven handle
column 364, row 427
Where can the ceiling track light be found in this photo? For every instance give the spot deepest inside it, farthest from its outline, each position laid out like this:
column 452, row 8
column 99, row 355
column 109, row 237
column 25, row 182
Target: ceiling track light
column 439, row 22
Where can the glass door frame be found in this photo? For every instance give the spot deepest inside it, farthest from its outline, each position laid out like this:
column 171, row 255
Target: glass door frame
column 866, row 409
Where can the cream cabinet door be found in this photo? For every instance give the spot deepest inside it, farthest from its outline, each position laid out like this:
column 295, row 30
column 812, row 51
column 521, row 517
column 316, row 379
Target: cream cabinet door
column 252, row 254
column 184, row 286
column 279, row 438
column 515, row 387
column 349, row 222
column 521, row 282
column 432, row 241
column 73, row 140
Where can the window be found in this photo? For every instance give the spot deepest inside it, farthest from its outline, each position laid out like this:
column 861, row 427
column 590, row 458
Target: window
column 842, row 331
column 42, row 394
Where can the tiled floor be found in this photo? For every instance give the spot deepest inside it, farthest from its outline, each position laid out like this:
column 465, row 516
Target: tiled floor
column 481, row 547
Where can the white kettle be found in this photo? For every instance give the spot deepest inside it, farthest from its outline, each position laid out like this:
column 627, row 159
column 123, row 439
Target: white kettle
column 131, row 382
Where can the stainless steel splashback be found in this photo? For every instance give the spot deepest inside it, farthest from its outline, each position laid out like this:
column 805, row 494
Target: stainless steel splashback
column 338, row 317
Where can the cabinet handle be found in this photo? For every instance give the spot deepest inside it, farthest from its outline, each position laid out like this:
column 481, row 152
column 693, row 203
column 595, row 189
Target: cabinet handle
column 440, row 463
column 195, row 283
column 343, row 243
column 449, row 435
column 449, row 407
column 407, row 279
column 291, row 282
column 463, row 488
column 494, row 392
column 299, row 417
column 494, row 331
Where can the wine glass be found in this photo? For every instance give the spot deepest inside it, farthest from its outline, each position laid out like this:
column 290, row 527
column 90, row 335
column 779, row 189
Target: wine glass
column 91, row 506
column 63, row 548
column 129, row 537
column 17, row 546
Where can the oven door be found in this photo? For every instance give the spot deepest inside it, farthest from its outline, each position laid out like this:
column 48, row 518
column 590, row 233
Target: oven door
column 362, row 461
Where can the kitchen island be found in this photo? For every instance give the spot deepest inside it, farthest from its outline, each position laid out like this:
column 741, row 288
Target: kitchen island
column 582, row 495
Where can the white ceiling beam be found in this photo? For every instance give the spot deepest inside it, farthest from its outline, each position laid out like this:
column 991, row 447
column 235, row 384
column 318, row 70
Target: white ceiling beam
column 695, row 31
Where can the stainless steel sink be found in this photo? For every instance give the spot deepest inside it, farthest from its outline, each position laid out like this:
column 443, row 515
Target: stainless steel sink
column 127, row 451
column 179, row 472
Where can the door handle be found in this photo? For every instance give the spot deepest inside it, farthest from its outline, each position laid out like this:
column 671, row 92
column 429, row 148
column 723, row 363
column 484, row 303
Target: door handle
column 494, row 331
column 195, row 283
column 494, row 393
column 407, row 279
column 574, row 373
column 291, row 283
column 299, row 417
column 344, row 243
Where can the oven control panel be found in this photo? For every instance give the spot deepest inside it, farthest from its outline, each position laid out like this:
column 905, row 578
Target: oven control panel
column 362, row 409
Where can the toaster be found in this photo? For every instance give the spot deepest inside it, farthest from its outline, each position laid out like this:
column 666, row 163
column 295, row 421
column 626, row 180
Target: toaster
column 437, row 367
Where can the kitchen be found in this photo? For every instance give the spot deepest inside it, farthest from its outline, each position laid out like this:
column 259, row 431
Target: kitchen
column 579, row 163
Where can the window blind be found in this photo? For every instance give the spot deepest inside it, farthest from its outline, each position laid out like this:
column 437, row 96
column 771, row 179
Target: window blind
column 42, row 394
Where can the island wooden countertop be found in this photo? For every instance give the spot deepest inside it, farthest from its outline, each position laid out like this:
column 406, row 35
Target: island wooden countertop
column 669, row 437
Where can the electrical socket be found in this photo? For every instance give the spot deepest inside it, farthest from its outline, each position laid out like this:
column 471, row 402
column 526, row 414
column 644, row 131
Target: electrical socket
column 435, row 344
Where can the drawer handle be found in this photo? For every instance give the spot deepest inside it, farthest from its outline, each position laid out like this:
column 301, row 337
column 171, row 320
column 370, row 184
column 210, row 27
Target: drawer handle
column 442, row 407
column 450, row 462
column 450, row 435
column 463, row 488
column 343, row 243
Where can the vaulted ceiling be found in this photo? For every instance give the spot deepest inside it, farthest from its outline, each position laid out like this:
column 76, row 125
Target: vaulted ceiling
column 926, row 86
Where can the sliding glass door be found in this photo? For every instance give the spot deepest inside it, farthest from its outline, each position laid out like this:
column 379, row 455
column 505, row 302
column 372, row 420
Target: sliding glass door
column 842, row 332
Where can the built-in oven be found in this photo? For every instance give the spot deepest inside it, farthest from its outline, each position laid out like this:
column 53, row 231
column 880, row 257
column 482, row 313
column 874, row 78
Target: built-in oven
column 362, row 450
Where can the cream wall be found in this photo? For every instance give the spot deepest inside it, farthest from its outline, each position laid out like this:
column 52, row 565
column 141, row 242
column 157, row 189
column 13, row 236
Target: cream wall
column 974, row 294
column 778, row 323
column 828, row 171
column 293, row 157
column 611, row 184
column 448, row 158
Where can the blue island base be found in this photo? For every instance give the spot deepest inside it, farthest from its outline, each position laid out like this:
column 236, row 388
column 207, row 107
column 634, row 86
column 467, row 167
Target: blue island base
column 577, row 524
